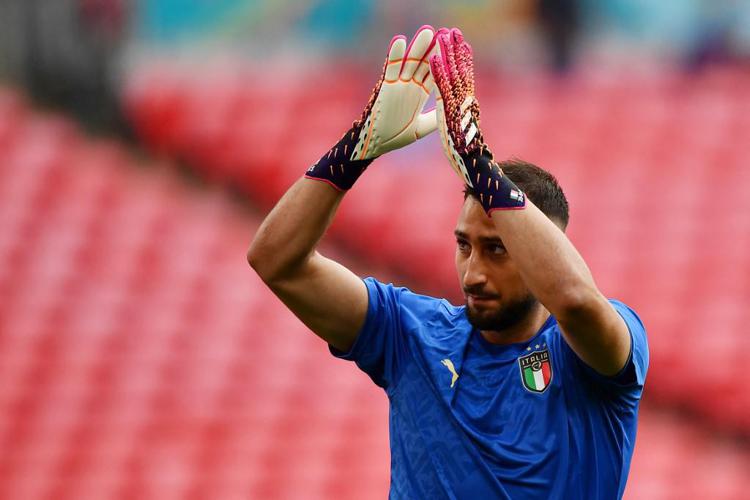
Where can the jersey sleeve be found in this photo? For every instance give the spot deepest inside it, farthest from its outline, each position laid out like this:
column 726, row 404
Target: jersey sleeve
column 379, row 345
column 633, row 374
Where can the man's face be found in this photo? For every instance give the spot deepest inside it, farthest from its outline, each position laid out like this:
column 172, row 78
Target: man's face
column 496, row 296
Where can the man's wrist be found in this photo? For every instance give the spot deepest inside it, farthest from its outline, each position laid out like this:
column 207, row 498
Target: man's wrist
column 486, row 180
column 336, row 166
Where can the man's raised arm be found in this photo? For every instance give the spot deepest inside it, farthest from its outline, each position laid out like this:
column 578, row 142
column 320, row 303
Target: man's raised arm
column 548, row 262
column 327, row 297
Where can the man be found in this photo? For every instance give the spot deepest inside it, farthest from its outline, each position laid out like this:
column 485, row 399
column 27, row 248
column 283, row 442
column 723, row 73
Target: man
column 529, row 390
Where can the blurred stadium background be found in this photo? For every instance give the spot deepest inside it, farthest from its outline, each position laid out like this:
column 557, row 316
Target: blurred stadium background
column 142, row 142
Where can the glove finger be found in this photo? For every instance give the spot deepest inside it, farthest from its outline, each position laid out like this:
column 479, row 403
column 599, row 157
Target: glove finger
column 457, row 36
column 442, row 31
column 440, row 67
column 426, row 123
column 460, row 47
column 437, row 70
column 422, row 73
column 422, row 70
column 449, row 57
column 470, row 67
column 465, row 63
column 396, row 52
column 443, row 42
column 436, row 54
column 415, row 53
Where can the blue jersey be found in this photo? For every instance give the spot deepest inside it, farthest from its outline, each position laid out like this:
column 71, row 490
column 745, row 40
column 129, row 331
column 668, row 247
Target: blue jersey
column 475, row 420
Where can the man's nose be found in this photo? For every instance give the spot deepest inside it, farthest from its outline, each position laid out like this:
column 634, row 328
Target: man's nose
column 475, row 272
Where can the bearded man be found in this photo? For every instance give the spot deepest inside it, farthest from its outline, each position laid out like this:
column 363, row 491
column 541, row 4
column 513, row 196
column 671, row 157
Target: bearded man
column 529, row 390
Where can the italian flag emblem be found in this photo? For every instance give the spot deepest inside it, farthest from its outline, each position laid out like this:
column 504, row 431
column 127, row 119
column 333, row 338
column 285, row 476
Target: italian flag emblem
column 536, row 370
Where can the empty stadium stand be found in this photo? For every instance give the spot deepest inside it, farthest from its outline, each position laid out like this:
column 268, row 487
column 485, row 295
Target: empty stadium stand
column 654, row 165
column 141, row 358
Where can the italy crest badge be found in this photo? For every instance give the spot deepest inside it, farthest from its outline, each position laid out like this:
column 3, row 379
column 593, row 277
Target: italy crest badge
column 536, row 370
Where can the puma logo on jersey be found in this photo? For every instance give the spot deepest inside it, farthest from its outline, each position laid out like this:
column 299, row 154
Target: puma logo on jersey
column 449, row 364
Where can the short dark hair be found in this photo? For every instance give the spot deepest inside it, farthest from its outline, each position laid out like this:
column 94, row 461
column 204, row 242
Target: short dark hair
column 540, row 186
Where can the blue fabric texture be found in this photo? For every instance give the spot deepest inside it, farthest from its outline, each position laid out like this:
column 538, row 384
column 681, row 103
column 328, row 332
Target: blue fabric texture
column 463, row 424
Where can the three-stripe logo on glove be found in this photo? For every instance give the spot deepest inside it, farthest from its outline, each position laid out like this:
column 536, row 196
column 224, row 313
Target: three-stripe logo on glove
column 468, row 121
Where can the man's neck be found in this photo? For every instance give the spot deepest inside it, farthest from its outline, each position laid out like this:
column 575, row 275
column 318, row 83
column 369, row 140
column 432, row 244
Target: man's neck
column 521, row 331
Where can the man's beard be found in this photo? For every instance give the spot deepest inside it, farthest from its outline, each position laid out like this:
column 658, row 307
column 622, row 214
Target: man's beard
column 505, row 316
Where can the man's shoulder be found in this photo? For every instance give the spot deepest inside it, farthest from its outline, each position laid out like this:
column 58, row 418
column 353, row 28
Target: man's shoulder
column 410, row 297
column 632, row 319
column 424, row 307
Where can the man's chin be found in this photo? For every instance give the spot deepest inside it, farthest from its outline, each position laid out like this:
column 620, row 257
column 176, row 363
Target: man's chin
column 483, row 311
column 498, row 317
column 483, row 318
column 485, row 324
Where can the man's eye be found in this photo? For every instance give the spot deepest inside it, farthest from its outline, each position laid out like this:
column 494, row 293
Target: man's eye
column 462, row 245
column 497, row 249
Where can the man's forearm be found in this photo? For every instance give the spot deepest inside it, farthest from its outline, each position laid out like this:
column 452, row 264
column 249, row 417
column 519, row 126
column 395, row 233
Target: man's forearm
column 557, row 275
column 291, row 231
column 330, row 299
column 550, row 265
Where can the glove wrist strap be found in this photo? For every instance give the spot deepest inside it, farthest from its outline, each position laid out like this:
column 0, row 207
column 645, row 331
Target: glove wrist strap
column 493, row 189
column 336, row 167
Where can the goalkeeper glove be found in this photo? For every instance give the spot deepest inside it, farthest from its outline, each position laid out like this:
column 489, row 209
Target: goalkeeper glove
column 458, row 120
column 393, row 117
